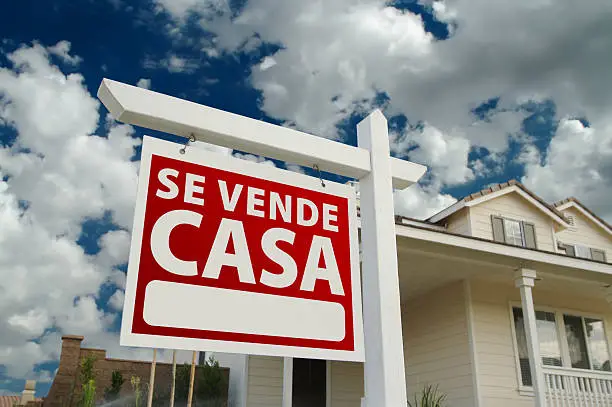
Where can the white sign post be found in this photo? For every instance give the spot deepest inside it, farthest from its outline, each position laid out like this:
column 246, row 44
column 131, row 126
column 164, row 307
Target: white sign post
column 370, row 163
column 385, row 382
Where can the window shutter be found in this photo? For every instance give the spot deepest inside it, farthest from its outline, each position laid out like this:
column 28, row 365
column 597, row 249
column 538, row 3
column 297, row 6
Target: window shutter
column 569, row 250
column 598, row 255
column 498, row 229
column 529, row 235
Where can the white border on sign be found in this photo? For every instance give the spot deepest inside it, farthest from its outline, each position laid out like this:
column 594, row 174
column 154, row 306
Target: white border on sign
column 154, row 146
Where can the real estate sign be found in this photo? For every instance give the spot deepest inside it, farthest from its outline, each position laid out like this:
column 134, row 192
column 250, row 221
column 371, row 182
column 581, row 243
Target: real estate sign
column 233, row 256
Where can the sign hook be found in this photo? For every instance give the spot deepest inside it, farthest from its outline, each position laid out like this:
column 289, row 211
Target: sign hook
column 316, row 167
column 191, row 139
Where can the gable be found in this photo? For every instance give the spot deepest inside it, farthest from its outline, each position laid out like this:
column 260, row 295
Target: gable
column 528, row 196
column 585, row 232
column 514, row 206
column 497, row 191
column 591, row 218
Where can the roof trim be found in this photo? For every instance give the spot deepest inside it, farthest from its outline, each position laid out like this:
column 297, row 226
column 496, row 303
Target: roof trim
column 515, row 188
column 511, row 187
column 403, row 220
column 572, row 202
column 445, row 213
column 503, row 249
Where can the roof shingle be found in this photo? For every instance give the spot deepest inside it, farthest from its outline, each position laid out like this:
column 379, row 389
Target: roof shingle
column 498, row 187
column 9, row 401
column 576, row 201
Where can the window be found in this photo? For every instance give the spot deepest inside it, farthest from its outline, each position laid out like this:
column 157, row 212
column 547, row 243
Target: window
column 584, row 252
column 550, row 349
column 513, row 232
column 587, row 346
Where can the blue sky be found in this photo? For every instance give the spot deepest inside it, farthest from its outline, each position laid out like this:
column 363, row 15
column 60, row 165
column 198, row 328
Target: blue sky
column 480, row 92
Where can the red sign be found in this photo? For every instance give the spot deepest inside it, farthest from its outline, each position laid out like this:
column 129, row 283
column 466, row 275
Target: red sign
column 233, row 256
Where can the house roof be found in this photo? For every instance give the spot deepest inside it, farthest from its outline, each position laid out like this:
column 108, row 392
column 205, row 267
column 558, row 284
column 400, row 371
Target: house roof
column 9, row 401
column 494, row 191
column 571, row 201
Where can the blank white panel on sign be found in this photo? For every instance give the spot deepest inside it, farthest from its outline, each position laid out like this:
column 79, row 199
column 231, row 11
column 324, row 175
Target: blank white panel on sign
column 189, row 306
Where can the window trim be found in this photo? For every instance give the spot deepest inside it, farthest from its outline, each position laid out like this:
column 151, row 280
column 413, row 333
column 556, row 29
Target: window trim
column 521, row 223
column 563, row 245
column 560, row 325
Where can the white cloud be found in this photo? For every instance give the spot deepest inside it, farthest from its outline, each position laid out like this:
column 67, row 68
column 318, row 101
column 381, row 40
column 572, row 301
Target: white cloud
column 114, row 248
column 336, row 55
column 116, row 300
column 176, row 64
column 254, row 158
column 295, row 168
column 56, row 175
column 444, row 154
column 144, row 83
column 267, row 63
column 62, row 50
column 578, row 162
column 179, row 9
column 172, row 63
column 421, row 202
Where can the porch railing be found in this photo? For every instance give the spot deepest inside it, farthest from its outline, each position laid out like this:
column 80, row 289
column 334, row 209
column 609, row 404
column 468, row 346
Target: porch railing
column 577, row 388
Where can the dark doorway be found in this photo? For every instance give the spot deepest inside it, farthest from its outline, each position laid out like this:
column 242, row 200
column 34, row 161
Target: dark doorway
column 309, row 382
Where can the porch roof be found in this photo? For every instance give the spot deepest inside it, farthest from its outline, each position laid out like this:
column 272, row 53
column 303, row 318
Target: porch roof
column 429, row 258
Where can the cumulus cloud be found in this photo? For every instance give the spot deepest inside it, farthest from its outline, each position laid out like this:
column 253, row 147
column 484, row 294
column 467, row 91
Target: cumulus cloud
column 56, row 174
column 144, row 83
column 254, row 158
column 446, row 155
column 577, row 162
column 421, row 202
column 179, row 9
column 116, row 300
column 336, row 57
column 62, row 50
column 114, row 248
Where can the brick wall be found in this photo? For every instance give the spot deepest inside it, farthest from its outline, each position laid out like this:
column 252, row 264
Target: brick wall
column 66, row 391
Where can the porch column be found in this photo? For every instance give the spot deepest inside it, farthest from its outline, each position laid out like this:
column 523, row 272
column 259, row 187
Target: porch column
column 287, row 382
column 524, row 280
column 608, row 294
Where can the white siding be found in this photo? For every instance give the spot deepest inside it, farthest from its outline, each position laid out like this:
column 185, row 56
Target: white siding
column 265, row 381
column 512, row 206
column 436, row 346
column 346, row 384
column 585, row 232
column 494, row 342
column 459, row 222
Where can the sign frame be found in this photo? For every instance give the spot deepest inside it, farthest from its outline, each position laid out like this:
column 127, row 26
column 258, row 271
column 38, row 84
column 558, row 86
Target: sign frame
column 370, row 162
column 154, row 146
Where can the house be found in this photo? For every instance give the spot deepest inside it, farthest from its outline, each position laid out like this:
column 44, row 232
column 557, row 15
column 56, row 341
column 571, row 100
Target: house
column 505, row 302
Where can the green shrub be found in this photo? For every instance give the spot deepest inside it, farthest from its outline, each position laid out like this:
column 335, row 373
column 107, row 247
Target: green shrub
column 88, row 382
column 429, row 397
column 89, row 394
column 135, row 381
column 111, row 393
column 209, row 387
